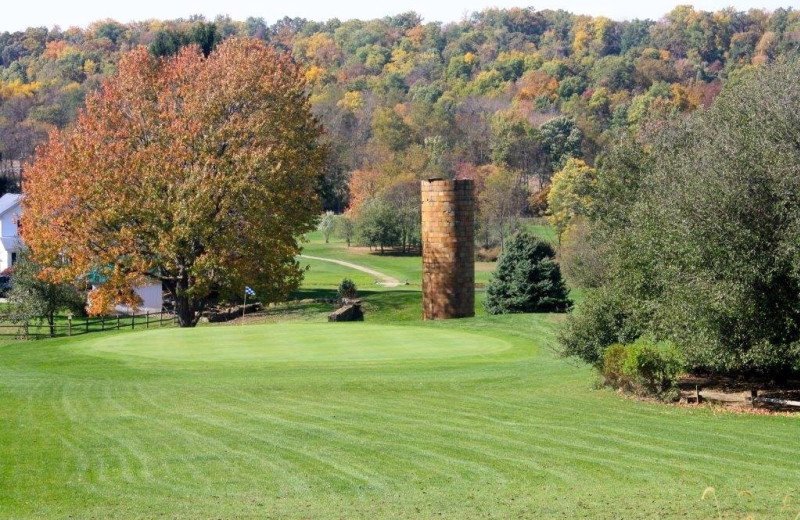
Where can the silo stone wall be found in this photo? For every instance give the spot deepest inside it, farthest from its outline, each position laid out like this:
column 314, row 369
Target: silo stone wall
column 448, row 249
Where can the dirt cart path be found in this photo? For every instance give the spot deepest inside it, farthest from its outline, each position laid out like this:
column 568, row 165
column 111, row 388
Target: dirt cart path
column 384, row 279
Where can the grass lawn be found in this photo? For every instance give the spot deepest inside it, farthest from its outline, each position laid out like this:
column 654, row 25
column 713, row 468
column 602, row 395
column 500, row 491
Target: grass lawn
column 329, row 275
column 539, row 228
column 390, row 418
column 459, row 419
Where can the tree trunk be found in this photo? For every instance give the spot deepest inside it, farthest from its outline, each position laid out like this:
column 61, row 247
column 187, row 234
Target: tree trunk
column 185, row 310
column 51, row 324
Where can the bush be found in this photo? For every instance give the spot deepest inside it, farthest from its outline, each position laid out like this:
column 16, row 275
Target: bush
column 347, row 289
column 644, row 367
column 694, row 230
column 613, row 365
column 653, row 370
column 527, row 279
column 487, row 254
column 599, row 321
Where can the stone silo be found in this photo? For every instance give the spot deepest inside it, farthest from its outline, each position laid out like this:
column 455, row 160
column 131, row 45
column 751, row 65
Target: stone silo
column 448, row 249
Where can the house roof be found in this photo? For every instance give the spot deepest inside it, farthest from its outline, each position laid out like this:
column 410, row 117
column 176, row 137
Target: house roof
column 9, row 201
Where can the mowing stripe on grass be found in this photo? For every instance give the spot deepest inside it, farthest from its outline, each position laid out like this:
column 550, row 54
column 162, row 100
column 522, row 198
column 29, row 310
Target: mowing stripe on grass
column 473, row 418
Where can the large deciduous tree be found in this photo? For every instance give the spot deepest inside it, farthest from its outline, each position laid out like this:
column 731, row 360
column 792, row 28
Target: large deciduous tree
column 501, row 203
column 570, row 195
column 701, row 232
column 198, row 171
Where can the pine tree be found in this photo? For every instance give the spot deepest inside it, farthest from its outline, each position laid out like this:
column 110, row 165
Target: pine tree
column 527, row 279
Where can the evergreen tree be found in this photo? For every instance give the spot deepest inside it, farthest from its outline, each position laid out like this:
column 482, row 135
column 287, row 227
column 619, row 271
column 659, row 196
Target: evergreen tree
column 527, row 279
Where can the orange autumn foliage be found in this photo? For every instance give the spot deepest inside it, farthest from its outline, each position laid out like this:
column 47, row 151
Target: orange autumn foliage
column 200, row 172
column 364, row 185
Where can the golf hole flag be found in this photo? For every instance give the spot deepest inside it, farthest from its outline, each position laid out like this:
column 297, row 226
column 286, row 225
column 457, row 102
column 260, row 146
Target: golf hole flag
column 248, row 291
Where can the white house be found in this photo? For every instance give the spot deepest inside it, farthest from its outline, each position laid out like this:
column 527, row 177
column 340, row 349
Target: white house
column 10, row 212
column 10, row 242
column 152, row 297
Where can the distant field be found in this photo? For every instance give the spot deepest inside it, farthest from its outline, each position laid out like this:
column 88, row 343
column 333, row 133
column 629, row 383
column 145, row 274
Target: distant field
column 401, row 267
column 542, row 230
column 329, row 275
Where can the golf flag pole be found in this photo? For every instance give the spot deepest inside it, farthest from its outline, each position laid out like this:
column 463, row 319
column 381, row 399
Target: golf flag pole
column 247, row 292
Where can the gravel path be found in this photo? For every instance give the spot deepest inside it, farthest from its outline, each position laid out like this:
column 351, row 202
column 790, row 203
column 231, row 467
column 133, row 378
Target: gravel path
column 385, row 279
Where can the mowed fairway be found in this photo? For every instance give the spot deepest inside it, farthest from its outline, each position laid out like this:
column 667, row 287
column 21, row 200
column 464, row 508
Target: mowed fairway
column 465, row 419
column 390, row 418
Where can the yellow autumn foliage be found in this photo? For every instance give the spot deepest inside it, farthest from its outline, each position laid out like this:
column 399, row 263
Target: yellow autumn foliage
column 16, row 88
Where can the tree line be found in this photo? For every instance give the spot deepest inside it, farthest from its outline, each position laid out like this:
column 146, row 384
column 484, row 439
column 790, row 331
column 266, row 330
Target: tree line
column 507, row 97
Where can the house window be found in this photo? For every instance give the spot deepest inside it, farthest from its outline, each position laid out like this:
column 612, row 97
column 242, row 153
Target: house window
column 13, row 257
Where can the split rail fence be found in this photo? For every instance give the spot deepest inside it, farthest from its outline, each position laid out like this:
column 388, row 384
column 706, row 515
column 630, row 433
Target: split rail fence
column 64, row 326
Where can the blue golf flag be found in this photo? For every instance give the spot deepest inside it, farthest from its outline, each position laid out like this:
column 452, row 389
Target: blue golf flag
column 248, row 291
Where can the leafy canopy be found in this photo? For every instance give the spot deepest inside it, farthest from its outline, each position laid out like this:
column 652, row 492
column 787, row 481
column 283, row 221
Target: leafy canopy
column 702, row 236
column 570, row 194
column 32, row 298
column 198, row 171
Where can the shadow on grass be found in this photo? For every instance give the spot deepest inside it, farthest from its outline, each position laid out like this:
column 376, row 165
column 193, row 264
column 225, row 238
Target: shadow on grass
column 396, row 253
column 313, row 293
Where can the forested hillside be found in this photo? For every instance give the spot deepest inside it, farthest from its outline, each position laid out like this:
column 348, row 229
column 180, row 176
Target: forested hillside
column 505, row 96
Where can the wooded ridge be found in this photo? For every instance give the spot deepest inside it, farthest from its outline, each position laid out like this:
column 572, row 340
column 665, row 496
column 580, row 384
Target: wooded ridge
column 403, row 97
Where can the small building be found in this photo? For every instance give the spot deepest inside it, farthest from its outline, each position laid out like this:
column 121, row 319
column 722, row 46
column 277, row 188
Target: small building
column 10, row 242
column 149, row 290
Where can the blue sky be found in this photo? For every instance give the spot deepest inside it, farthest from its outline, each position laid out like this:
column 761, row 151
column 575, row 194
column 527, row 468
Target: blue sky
column 18, row 15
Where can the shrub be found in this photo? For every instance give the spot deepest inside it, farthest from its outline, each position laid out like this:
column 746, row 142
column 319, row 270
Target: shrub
column 347, row 289
column 599, row 321
column 694, row 224
column 652, row 369
column 613, row 364
column 643, row 367
column 487, row 254
column 527, row 279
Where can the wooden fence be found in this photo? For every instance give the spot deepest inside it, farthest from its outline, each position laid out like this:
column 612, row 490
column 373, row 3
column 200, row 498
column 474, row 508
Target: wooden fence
column 64, row 326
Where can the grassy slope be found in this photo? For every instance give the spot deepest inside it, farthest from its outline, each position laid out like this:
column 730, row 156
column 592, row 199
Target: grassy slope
column 95, row 427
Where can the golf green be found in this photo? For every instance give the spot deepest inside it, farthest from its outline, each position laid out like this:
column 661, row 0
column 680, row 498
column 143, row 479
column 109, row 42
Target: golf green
column 341, row 342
